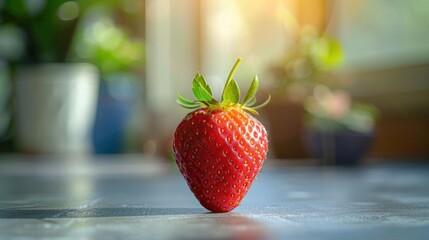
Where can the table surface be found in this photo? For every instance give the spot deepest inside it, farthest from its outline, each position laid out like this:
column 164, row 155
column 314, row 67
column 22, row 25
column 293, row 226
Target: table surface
column 132, row 197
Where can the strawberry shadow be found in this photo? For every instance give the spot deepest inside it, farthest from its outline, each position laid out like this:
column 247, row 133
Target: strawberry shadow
column 96, row 212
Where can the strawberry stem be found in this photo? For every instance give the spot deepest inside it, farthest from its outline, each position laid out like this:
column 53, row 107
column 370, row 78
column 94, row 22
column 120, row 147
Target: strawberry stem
column 231, row 74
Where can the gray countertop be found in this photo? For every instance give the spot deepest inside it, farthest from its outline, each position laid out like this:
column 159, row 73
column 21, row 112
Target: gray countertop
column 132, row 197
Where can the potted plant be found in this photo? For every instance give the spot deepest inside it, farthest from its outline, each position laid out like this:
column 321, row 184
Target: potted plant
column 117, row 55
column 54, row 98
column 56, row 76
column 338, row 131
column 310, row 59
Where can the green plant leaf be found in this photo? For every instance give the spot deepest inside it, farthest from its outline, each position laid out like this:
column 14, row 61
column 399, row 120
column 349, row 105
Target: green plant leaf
column 232, row 93
column 202, row 91
column 252, row 90
column 327, row 53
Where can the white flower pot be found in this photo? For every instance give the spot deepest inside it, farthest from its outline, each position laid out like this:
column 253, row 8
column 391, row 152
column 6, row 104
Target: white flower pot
column 55, row 107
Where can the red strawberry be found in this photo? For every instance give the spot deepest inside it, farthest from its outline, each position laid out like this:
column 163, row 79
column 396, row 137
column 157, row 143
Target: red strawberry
column 219, row 147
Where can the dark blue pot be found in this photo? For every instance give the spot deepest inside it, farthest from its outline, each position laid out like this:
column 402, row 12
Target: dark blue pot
column 339, row 148
column 115, row 106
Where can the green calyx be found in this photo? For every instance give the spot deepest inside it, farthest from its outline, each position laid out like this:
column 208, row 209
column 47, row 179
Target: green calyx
column 230, row 95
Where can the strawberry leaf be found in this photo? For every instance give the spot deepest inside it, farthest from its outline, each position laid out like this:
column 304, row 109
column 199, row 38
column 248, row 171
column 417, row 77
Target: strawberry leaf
column 185, row 101
column 202, row 81
column 202, row 91
column 263, row 104
column 252, row 90
column 251, row 102
column 188, row 106
column 232, row 93
column 251, row 110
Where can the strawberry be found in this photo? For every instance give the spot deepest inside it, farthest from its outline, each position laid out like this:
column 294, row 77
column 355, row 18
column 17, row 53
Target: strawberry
column 220, row 148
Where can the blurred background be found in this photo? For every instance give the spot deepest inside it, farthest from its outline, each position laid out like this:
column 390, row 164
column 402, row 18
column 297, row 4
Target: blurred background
column 349, row 80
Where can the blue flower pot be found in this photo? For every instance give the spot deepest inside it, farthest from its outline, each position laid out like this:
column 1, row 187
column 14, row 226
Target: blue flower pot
column 115, row 106
column 338, row 148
